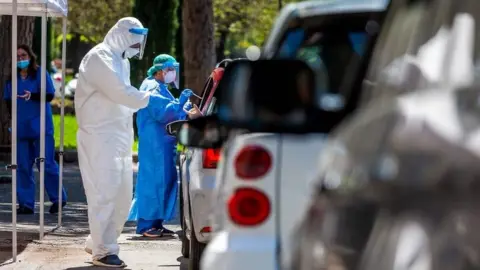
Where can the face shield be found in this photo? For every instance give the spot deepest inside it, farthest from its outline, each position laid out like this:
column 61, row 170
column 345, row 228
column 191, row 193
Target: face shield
column 140, row 38
column 171, row 71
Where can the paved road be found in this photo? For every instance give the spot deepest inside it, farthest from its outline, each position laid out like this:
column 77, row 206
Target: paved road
column 63, row 248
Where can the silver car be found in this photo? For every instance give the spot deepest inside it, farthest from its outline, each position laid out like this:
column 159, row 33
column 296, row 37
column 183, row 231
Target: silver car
column 197, row 173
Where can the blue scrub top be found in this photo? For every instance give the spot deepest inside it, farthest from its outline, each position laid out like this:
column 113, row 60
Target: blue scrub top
column 28, row 112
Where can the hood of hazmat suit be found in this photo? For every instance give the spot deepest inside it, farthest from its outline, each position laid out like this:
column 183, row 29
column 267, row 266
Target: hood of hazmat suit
column 104, row 105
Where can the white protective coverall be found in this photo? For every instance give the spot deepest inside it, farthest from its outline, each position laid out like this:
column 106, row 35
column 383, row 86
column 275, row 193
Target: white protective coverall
column 104, row 105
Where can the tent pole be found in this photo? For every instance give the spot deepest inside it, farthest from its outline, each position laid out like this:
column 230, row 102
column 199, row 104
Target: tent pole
column 62, row 116
column 13, row 166
column 42, row 121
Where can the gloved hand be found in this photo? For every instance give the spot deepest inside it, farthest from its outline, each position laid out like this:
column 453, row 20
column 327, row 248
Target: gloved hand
column 188, row 106
column 185, row 95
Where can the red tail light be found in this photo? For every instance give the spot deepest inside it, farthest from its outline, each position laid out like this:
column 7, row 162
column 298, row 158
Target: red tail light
column 252, row 162
column 248, row 207
column 211, row 158
column 206, row 230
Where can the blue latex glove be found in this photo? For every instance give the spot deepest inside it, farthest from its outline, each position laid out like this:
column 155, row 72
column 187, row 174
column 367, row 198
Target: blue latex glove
column 188, row 106
column 185, row 95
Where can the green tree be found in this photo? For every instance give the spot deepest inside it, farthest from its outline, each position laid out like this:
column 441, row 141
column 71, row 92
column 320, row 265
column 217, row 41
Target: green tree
column 37, row 41
column 88, row 23
column 241, row 23
column 198, row 42
column 160, row 17
column 91, row 19
column 179, row 46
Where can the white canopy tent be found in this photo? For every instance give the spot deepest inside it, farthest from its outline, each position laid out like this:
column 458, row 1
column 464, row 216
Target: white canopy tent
column 35, row 8
column 43, row 9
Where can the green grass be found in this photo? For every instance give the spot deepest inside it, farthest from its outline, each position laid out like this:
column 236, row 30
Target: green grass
column 70, row 139
column 68, row 78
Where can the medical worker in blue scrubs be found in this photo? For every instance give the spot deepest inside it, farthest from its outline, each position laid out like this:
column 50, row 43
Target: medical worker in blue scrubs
column 156, row 187
column 28, row 132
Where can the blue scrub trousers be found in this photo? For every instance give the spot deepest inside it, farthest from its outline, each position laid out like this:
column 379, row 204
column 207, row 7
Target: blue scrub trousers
column 144, row 225
column 28, row 150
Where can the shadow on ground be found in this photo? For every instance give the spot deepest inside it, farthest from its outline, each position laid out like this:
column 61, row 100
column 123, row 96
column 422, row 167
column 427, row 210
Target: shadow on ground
column 68, row 240
column 74, row 220
column 143, row 238
column 93, row 267
column 183, row 263
column 23, row 239
column 183, row 266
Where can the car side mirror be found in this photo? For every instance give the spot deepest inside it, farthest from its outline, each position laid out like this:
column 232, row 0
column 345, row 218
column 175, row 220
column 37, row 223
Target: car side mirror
column 204, row 132
column 173, row 127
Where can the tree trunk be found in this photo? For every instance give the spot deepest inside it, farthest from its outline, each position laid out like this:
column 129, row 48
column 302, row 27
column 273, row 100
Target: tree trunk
column 221, row 46
column 76, row 50
column 179, row 46
column 37, row 41
column 25, row 28
column 159, row 17
column 198, row 42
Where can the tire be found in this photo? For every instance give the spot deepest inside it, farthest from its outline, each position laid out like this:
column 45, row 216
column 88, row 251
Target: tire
column 196, row 250
column 183, row 238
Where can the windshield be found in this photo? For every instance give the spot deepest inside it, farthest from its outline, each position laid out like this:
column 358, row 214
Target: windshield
column 335, row 49
column 424, row 44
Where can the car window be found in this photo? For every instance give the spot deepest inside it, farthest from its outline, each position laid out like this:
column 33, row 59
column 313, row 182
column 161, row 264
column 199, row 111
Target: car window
column 206, row 92
column 335, row 51
column 212, row 108
column 332, row 59
column 209, row 97
column 410, row 52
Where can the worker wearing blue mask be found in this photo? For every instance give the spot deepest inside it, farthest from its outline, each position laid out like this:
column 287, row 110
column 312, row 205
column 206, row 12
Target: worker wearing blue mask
column 156, row 187
column 28, row 132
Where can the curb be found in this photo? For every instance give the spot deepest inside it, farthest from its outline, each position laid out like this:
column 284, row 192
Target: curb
column 69, row 156
column 72, row 157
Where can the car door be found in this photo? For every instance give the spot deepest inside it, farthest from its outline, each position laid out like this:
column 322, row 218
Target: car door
column 207, row 106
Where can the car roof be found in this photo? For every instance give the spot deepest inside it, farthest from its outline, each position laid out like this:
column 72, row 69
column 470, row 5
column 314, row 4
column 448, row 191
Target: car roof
column 315, row 8
column 302, row 10
column 226, row 61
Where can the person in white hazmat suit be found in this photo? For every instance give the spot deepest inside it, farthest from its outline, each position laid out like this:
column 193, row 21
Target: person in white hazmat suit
column 104, row 105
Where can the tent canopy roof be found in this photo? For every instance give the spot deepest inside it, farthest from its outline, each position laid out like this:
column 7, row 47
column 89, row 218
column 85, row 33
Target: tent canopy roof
column 36, row 8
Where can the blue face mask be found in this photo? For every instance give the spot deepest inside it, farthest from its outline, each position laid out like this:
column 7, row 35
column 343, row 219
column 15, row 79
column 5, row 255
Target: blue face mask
column 23, row 64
